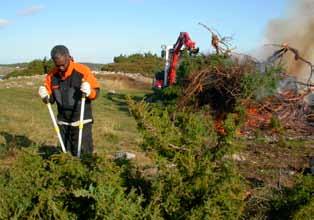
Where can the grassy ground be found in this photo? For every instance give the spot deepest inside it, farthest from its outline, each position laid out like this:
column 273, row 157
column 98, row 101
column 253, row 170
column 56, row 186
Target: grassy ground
column 24, row 119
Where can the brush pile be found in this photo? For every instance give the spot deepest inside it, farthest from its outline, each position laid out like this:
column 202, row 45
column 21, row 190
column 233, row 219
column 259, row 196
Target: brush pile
column 287, row 108
column 219, row 85
column 227, row 84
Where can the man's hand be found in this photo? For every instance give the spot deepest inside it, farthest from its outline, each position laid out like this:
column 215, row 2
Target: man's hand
column 85, row 88
column 43, row 93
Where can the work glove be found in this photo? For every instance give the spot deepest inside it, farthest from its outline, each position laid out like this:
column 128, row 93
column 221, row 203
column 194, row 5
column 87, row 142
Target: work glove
column 43, row 93
column 85, row 88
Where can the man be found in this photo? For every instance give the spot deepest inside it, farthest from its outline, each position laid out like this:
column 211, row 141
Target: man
column 65, row 85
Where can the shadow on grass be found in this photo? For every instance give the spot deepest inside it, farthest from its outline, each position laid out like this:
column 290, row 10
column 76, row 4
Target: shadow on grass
column 17, row 141
column 120, row 100
column 47, row 151
column 13, row 141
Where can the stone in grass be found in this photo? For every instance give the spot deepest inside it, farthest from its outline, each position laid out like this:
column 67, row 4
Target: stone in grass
column 124, row 156
column 111, row 92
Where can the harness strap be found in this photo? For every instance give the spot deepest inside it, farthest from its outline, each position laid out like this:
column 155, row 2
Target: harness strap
column 76, row 123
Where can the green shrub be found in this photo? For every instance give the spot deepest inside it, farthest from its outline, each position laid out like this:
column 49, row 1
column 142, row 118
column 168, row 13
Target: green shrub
column 192, row 182
column 63, row 187
column 166, row 96
column 294, row 203
column 259, row 85
column 146, row 64
column 306, row 212
column 189, row 64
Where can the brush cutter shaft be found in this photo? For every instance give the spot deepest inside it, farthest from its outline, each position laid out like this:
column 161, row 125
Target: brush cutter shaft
column 56, row 127
column 81, row 126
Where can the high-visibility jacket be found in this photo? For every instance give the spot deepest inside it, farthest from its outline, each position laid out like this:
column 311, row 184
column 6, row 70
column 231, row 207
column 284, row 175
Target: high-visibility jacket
column 64, row 89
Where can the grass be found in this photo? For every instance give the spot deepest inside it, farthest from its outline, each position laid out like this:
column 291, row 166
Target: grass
column 24, row 118
column 24, row 121
column 114, row 128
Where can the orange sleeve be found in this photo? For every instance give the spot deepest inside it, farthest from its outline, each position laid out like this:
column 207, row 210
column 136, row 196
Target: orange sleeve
column 90, row 78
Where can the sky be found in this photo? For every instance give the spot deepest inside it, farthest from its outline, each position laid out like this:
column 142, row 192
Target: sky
column 98, row 30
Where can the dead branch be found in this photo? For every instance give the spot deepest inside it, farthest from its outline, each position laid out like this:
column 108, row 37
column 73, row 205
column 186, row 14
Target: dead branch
column 217, row 40
column 284, row 48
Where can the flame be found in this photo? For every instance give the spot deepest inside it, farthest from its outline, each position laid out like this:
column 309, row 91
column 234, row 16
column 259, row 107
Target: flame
column 219, row 126
column 255, row 118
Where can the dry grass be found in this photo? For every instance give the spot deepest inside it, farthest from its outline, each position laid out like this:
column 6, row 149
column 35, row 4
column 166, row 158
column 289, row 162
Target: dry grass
column 120, row 82
column 24, row 118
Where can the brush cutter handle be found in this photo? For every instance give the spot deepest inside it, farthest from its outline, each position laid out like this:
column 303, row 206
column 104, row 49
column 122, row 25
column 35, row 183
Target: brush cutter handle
column 81, row 126
column 46, row 100
column 56, row 127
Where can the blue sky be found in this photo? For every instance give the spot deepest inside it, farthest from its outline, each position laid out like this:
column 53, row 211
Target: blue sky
column 98, row 30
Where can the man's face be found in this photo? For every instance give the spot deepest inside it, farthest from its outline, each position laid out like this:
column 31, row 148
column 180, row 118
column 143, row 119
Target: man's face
column 62, row 62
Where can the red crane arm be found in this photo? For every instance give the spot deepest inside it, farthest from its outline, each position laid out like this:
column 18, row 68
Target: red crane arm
column 183, row 39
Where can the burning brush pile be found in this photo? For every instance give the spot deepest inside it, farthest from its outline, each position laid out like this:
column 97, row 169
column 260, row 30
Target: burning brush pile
column 267, row 100
column 289, row 108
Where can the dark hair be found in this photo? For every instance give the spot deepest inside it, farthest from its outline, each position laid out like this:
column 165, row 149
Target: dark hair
column 59, row 50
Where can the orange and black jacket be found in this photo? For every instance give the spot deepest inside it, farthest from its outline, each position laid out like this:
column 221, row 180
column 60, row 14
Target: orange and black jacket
column 64, row 89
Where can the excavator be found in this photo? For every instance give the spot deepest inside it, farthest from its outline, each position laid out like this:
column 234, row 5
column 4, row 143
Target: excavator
column 172, row 56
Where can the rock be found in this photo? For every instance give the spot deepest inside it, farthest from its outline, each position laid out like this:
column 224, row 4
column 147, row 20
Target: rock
column 235, row 157
column 291, row 172
column 172, row 165
column 238, row 157
column 124, row 156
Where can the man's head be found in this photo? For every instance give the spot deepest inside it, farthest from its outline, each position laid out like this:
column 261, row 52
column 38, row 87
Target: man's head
column 61, row 57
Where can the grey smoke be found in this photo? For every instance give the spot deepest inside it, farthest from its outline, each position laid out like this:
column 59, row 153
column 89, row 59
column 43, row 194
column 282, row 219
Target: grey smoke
column 297, row 29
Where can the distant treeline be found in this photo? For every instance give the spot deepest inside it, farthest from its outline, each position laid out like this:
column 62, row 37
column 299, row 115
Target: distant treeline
column 35, row 67
column 147, row 64
column 38, row 67
column 94, row 66
column 14, row 65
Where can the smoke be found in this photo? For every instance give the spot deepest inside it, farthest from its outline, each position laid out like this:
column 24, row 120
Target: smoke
column 297, row 30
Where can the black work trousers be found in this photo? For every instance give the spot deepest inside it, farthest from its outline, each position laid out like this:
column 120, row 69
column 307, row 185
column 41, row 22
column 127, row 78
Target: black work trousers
column 70, row 136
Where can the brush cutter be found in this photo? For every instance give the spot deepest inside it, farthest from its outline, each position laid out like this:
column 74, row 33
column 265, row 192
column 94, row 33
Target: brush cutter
column 56, row 127
column 81, row 125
